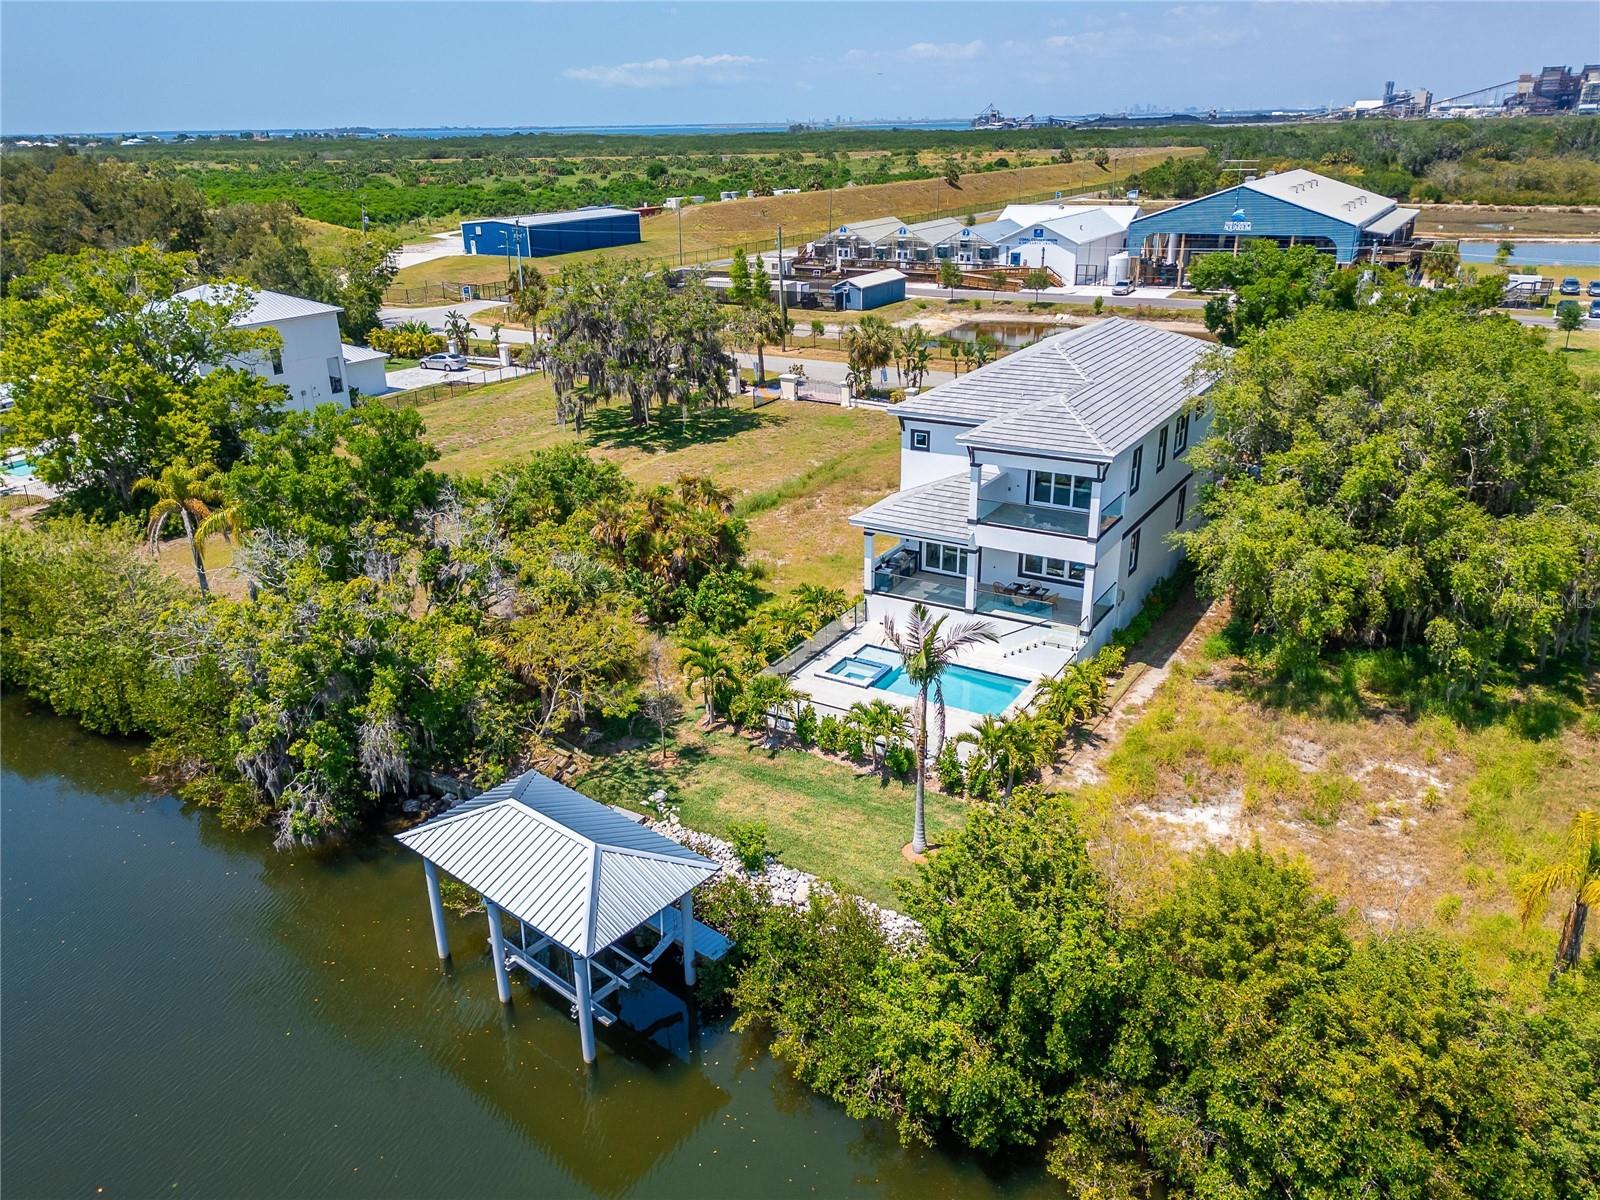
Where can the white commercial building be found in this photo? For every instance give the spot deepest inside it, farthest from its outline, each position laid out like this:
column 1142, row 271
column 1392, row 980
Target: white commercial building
column 1076, row 241
column 311, row 362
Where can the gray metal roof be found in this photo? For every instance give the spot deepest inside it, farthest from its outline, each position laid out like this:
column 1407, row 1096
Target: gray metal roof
column 870, row 279
column 1087, row 394
column 577, row 871
column 935, row 231
column 1392, row 222
column 355, row 354
column 554, row 218
column 871, row 230
column 934, row 510
column 1330, row 197
column 994, row 232
column 268, row 307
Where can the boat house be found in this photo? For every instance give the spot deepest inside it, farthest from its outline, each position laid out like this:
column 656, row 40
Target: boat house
column 576, row 878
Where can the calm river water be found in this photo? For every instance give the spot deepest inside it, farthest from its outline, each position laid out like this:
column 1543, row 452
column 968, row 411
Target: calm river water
column 189, row 1012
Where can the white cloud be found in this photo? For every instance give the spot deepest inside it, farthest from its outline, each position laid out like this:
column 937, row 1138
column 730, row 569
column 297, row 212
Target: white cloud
column 945, row 51
column 666, row 72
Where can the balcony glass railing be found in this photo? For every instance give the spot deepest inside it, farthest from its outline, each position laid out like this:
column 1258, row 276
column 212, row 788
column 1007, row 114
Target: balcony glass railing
column 1104, row 603
column 1111, row 513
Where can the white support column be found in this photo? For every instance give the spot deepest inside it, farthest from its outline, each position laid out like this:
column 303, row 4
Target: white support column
column 497, row 947
column 1088, row 597
column 436, row 907
column 972, row 579
column 686, row 920
column 1096, row 497
column 975, row 474
column 866, row 561
column 582, row 986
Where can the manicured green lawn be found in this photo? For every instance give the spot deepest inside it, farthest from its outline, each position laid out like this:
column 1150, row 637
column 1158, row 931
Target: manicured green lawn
column 821, row 817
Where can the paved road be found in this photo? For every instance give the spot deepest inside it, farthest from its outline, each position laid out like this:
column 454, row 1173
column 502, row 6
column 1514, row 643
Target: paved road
column 826, row 370
column 443, row 245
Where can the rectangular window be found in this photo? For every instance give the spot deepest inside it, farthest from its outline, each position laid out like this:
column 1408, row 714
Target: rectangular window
column 919, row 439
column 947, row 560
column 1035, row 566
column 1183, row 497
column 277, row 362
column 1062, row 491
column 1135, row 469
column 335, row 377
column 1133, row 551
column 1180, row 442
column 1161, row 449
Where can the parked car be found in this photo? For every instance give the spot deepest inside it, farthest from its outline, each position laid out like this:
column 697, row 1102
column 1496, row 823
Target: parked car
column 1594, row 310
column 1594, row 287
column 1124, row 288
column 443, row 362
column 1571, row 287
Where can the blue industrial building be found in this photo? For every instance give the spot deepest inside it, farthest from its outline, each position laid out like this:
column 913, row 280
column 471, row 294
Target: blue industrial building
column 543, row 234
column 1292, row 208
column 872, row 290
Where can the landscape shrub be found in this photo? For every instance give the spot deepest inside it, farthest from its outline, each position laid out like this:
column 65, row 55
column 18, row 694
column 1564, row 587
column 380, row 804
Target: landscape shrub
column 899, row 759
column 828, row 734
column 749, row 839
column 947, row 767
column 805, row 725
column 405, row 343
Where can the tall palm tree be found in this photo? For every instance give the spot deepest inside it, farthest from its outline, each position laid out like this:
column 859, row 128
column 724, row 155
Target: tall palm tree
column 187, row 493
column 926, row 651
column 1577, row 872
column 706, row 666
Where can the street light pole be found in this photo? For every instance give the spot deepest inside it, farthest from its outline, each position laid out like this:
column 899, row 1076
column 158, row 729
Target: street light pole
column 783, row 300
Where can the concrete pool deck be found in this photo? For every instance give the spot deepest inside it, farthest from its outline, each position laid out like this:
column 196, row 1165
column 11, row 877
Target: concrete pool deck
column 830, row 694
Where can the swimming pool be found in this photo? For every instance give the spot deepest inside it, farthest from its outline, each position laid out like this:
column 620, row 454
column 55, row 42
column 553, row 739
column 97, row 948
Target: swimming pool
column 983, row 692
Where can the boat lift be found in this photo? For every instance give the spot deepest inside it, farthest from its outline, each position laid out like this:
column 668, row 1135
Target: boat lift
column 578, row 877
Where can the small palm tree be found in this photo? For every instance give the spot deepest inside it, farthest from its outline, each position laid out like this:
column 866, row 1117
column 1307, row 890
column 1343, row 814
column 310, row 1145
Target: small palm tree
column 706, row 666
column 876, row 719
column 1576, row 872
column 230, row 523
column 926, row 651
column 187, row 493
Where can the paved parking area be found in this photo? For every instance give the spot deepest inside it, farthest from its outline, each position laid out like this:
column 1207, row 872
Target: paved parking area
column 415, row 377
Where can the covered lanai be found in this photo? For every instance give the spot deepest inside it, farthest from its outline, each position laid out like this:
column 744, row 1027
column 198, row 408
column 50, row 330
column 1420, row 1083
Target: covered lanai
column 578, row 878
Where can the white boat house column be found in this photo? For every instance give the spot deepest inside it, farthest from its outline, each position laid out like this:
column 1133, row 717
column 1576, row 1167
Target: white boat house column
column 583, row 987
column 686, row 911
column 436, row 906
column 497, row 947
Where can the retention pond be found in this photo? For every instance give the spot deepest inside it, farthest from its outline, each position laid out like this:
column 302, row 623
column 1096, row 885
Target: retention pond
column 189, row 1012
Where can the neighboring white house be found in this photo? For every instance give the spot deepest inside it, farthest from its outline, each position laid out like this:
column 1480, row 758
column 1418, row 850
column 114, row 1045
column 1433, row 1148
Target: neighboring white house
column 1038, row 493
column 311, row 362
column 365, row 370
column 1076, row 241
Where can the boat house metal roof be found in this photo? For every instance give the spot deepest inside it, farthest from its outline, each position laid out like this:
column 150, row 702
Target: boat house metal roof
column 581, row 873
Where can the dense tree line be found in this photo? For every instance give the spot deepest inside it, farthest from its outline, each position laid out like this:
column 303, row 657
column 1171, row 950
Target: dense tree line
column 61, row 204
column 1389, row 466
column 1237, row 1039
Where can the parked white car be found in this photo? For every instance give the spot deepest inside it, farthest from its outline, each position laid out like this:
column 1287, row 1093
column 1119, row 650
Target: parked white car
column 444, row 362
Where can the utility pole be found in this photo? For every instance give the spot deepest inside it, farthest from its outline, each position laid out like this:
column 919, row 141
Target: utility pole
column 783, row 296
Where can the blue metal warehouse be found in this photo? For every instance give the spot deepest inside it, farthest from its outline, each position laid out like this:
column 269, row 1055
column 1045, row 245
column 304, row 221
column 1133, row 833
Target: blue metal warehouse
column 1291, row 208
column 542, row 234
column 872, row 290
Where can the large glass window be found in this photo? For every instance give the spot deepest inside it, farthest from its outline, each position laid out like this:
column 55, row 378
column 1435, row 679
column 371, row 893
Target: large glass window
column 949, row 560
column 1063, row 491
column 1037, row 566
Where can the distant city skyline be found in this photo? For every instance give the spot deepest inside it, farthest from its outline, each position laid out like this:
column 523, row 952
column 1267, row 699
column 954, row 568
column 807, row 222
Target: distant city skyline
column 141, row 67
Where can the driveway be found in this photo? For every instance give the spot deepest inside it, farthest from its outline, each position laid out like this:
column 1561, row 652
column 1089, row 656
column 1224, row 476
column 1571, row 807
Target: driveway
column 415, row 377
column 440, row 245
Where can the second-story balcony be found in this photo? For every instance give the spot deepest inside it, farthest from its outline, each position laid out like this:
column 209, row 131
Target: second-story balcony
column 1066, row 522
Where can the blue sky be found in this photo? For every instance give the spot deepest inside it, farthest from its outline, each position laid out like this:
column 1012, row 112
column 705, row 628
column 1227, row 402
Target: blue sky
column 143, row 66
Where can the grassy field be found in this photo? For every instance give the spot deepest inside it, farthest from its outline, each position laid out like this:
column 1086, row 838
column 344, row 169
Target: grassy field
column 1408, row 818
column 798, row 469
column 1583, row 354
column 1491, row 222
column 710, row 229
column 820, row 815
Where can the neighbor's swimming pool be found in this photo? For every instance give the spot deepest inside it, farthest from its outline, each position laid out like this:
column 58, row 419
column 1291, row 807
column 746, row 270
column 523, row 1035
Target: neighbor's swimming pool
column 967, row 688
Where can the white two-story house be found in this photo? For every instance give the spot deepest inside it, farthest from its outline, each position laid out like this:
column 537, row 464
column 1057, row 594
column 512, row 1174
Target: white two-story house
column 312, row 364
column 1038, row 495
